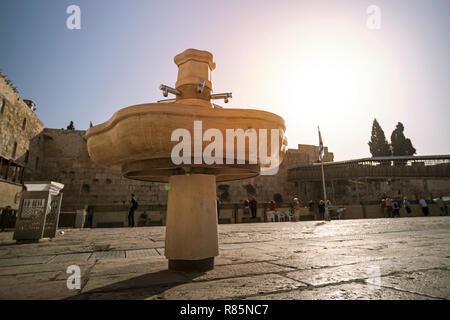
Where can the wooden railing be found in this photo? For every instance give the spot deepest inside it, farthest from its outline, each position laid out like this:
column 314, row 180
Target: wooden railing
column 387, row 167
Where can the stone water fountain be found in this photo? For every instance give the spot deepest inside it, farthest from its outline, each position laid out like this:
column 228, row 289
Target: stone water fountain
column 139, row 141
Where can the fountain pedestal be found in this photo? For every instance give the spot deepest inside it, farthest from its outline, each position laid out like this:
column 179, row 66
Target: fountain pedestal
column 191, row 223
column 138, row 141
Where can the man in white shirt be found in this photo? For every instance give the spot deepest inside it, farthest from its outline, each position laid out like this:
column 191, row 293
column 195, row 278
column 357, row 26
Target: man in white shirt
column 424, row 206
column 441, row 204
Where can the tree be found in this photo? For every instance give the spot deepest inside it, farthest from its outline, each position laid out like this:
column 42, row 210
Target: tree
column 71, row 126
column 278, row 198
column 224, row 195
column 379, row 147
column 250, row 189
column 401, row 146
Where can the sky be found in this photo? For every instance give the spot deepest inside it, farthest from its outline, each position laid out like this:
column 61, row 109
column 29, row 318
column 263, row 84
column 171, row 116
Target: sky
column 315, row 63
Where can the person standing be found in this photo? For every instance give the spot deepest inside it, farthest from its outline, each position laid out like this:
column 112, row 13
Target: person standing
column 295, row 211
column 389, row 207
column 270, row 213
column 3, row 217
column 383, row 207
column 424, row 206
column 133, row 207
column 311, row 205
column 395, row 209
column 253, row 207
column 246, row 207
column 272, row 205
column 330, row 211
column 321, row 206
column 441, row 206
column 407, row 206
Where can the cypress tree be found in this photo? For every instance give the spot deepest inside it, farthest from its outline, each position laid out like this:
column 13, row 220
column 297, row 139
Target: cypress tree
column 401, row 146
column 379, row 147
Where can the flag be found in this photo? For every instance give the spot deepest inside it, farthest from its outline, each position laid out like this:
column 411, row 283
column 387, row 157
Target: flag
column 320, row 146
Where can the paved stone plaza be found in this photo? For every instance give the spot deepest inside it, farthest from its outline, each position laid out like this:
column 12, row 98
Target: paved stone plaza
column 285, row 260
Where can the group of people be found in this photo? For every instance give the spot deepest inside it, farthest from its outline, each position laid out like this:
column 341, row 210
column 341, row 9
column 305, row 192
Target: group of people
column 322, row 205
column 251, row 206
column 272, row 212
column 393, row 207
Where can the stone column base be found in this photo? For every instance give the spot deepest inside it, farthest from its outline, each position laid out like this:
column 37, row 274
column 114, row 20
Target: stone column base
column 192, row 265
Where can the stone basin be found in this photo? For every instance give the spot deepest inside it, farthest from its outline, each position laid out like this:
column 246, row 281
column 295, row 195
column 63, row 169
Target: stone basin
column 143, row 142
column 137, row 139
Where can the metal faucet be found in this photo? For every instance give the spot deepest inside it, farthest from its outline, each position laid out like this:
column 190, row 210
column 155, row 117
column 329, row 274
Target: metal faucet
column 166, row 89
column 223, row 96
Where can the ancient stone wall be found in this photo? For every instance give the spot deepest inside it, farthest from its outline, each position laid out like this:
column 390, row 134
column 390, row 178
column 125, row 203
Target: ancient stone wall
column 10, row 195
column 18, row 125
column 266, row 187
column 354, row 191
column 66, row 160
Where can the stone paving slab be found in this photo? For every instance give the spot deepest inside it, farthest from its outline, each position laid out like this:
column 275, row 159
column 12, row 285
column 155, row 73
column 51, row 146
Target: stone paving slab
column 434, row 283
column 406, row 258
column 349, row 291
column 72, row 257
column 123, row 281
column 141, row 253
column 102, row 255
column 24, row 261
column 130, row 266
column 39, row 268
column 37, row 291
column 229, row 288
column 239, row 270
column 12, row 280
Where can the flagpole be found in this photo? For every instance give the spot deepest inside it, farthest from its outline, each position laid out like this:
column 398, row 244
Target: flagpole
column 327, row 215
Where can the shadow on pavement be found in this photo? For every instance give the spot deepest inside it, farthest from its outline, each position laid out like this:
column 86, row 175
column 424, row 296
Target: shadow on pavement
column 138, row 288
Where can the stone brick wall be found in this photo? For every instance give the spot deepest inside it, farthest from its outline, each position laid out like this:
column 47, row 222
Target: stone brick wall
column 345, row 192
column 65, row 159
column 267, row 186
column 10, row 195
column 311, row 153
column 18, row 125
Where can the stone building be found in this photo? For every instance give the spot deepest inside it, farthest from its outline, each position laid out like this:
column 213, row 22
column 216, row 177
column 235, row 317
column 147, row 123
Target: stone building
column 19, row 125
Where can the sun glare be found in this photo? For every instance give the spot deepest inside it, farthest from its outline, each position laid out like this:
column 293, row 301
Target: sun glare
column 326, row 81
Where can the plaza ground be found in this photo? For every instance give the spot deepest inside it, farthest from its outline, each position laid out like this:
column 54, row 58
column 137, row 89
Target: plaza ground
column 404, row 258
